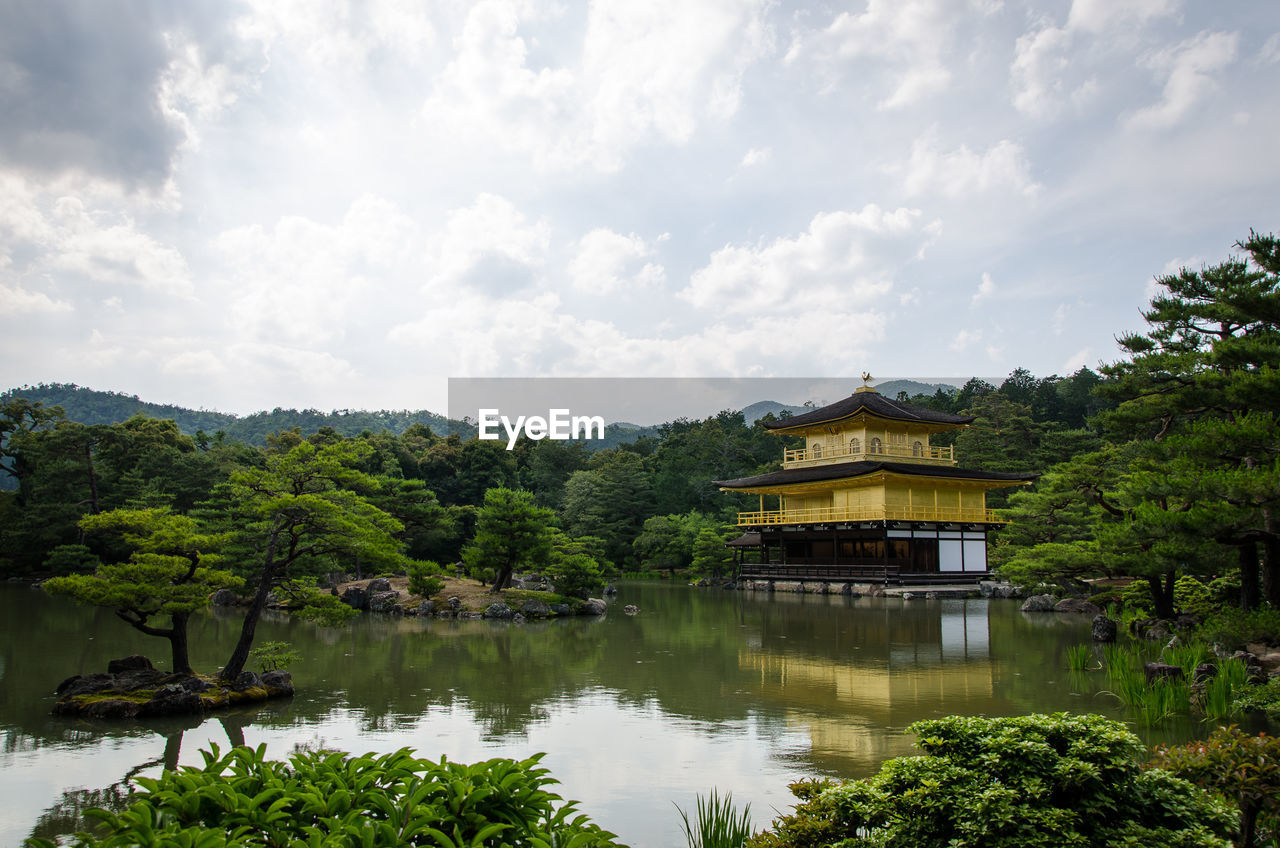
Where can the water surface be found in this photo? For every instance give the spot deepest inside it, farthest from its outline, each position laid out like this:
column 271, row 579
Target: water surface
column 704, row 688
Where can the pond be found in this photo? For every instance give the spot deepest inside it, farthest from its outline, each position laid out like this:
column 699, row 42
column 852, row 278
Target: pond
column 744, row 692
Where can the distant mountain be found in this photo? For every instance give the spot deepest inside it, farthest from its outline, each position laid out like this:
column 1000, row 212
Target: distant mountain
column 753, row 413
column 891, row 388
column 90, row 406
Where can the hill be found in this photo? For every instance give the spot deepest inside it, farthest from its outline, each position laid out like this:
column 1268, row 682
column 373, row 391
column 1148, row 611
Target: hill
column 90, row 406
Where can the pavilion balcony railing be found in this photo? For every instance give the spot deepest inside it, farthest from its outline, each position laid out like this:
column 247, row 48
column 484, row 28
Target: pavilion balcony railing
column 803, row 457
column 869, row 513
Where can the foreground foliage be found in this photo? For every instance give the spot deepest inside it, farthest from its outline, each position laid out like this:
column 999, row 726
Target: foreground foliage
column 334, row 799
column 1039, row 780
column 1245, row 768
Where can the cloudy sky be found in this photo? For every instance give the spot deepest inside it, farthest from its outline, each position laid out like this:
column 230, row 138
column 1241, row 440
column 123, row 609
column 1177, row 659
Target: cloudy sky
column 243, row 205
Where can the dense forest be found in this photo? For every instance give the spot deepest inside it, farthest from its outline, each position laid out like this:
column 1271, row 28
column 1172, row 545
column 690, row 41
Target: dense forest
column 647, row 499
column 1160, row 465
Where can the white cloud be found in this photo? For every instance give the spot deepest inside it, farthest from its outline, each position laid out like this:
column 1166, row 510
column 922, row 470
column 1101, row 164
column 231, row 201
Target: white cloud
column 304, row 281
column 909, row 39
column 1058, row 66
column 962, row 172
column 1270, row 52
column 1059, row 323
column 16, row 300
column 648, row 72
column 607, row 261
column 489, row 244
column 342, row 34
column 1192, row 67
column 965, row 339
column 113, row 253
column 844, row 259
column 79, row 228
column 1039, row 72
column 756, row 156
column 986, row 289
column 191, row 91
column 474, row 335
column 1099, row 16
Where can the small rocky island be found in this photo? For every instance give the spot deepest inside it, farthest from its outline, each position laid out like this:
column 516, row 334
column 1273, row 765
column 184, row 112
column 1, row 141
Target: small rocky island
column 133, row 688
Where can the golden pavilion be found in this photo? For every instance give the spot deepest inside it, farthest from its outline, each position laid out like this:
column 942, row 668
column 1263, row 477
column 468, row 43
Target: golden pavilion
column 869, row 498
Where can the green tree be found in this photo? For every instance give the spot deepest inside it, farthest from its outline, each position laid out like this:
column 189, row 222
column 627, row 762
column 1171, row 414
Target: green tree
column 710, row 556
column 511, row 532
column 304, row 508
column 1208, row 361
column 168, row 575
column 574, row 565
column 609, row 500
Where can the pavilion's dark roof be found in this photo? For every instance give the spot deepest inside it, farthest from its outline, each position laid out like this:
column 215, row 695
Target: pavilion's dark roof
column 873, row 403
column 841, row 470
column 746, row 540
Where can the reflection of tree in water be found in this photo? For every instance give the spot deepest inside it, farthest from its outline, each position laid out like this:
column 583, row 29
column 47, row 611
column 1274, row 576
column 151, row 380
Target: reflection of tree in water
column 67, row 815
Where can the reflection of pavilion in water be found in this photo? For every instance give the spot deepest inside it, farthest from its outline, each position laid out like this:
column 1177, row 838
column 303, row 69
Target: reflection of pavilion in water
column 850, row 707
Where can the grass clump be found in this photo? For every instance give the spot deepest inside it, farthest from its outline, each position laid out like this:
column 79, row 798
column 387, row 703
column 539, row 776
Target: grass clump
column 717, row 824
column 1079, row 657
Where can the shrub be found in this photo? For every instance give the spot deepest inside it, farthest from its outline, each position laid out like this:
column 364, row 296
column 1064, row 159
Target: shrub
column 1245, row 768
column 423, row 578
column 1265, row 698
column 273, row 656
column 1225, row 591
column 1136, row 597
column 1039, row 780
column 1234, row 628
column 1192, row 596
column 334, row 799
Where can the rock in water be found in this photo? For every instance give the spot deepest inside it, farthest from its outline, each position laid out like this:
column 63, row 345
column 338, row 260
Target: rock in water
column 1157, row 671
column 1077, row 605
column 1104, row 629
column 535, row 609
column 593, row 606
column 499, row 611
column 136, row 662
column 378, row 584
column 278, row 682
column 1039, row 603
column 356, row 598
column 246, row 680
column 383, row 601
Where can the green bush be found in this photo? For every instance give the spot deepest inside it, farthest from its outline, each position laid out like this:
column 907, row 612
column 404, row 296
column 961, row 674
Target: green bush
column 337, row 800
column 1265, row 698
column 1244, row 767
column 1193, row 597
column 424, row 579
column 273, row 656
column 1234, row 628
column 1039, row 780
column 1136, row 597
column 1225, row 591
